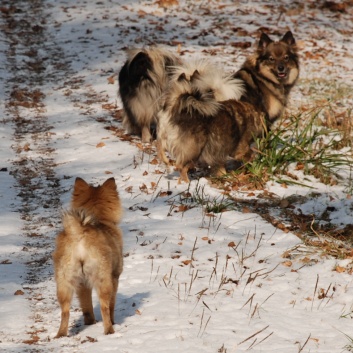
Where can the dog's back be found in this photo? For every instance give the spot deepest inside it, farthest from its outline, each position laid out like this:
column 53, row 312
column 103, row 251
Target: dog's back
column 86, row 246
column 142, row 81
column 88, row 252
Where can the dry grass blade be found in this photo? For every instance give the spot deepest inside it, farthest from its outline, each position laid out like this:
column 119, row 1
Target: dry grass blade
column 305, row 343
column 264, row 339
column 316, row 284
column 255, row 334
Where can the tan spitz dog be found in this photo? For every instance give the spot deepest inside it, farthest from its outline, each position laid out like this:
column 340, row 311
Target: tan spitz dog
column 89, row 253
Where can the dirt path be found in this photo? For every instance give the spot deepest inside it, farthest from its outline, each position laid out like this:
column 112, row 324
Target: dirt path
column 33, row 59
column 38, row 187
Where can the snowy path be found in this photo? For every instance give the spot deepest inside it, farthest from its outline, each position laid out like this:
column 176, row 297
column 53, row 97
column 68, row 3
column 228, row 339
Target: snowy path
column 192, row 281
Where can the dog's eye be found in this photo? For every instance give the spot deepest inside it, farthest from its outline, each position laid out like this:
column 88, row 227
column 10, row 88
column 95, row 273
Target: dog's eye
column 286, row 58
column 271, row 58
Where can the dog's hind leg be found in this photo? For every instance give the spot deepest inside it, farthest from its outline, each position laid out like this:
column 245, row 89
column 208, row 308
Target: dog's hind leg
column 105, row 293
column 161, row 153
column 64, row 294
column 183, row 174
column 146, row 136
column 113, row 299
column 84, row 294
column 243, row 151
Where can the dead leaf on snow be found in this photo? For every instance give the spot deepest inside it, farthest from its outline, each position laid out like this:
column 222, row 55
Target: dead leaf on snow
column 141, row 13
column 340, row 269
column 164, row 193
column 167, row 3
column 100, row 144
column 111, row 80
column 286, row 255
column 34, row 340
column 287, row 263
column 154, row 161
column 144, row 188
column 183, row 208
column 89, row 339
column 109, row 106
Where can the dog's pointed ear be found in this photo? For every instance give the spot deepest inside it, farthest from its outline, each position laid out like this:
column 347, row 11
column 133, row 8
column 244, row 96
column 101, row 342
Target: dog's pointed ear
column 196, row 75
column 288, row 38
column 182, row 77
column 264, row 41
column 140, row 64
column 110, row 184
column 80, row 186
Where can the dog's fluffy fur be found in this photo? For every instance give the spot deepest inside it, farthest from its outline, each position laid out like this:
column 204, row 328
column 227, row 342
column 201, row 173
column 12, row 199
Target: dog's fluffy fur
column 89, row 253
column 197, row 124
column 142, row 82
column 200, row 123
column 269, row 75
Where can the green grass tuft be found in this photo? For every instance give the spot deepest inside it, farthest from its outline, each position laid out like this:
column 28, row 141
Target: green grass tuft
column 300, row 143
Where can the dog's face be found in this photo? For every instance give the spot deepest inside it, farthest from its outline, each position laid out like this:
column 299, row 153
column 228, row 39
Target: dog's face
column 277, row 61
column 102, row 201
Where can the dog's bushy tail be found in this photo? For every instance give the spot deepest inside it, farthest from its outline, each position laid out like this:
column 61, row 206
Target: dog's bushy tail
column 198, row 86
column 207, row 76
column 75, row 220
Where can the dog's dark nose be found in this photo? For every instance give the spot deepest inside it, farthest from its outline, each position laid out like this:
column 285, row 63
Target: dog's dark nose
column 281, row 68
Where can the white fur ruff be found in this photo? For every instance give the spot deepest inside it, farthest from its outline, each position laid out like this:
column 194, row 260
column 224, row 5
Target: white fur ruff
column 205, row 90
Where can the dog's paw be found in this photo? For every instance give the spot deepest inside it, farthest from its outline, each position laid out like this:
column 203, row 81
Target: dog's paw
column 60, row 334
column 109, row 330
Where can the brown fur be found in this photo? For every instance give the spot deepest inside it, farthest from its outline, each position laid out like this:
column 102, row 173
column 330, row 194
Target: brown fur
column 197, row 127
column 89, row 253
column 142, row 82
column 208, row 141
column 269, row 75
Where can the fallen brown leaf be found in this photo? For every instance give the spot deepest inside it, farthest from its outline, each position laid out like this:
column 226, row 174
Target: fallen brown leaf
column 111, row 80
column 340, row 269
column 287, row 263
column 100, row 144
column 154, row 161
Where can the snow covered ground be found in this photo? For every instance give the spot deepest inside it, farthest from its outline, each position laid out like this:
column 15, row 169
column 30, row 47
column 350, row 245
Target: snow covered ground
column 192, row 281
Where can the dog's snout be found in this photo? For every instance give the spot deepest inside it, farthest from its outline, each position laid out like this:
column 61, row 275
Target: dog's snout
column 281, row 68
